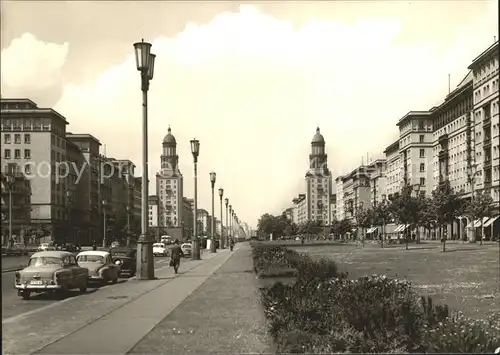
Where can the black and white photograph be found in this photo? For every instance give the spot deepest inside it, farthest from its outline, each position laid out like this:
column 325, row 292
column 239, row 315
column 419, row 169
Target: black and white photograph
column 258, row 177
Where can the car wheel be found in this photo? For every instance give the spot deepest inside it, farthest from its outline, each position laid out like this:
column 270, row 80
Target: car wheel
column 26, row 295
column 84, row 286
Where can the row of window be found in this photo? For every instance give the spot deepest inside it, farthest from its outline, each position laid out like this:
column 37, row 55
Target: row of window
column 7, row 138
column 17, row 154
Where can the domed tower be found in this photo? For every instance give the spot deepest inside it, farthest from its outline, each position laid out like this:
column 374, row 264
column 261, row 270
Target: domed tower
column 169, row 158
column 318, row 182
column 169, row 188
column 318, row 158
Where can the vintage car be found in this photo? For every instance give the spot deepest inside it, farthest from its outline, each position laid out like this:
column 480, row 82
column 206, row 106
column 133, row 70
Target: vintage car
column 186, row 249
column 51, row 271
column 160, row 249
column 46, row 247
column 125, row 258
column 100, row 266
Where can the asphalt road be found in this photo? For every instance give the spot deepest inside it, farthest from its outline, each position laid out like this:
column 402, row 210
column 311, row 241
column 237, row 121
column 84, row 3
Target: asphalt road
column 13, row 305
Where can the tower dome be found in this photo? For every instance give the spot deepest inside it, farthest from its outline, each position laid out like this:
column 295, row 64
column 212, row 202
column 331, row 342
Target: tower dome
column 169, row 139
column 318, row 137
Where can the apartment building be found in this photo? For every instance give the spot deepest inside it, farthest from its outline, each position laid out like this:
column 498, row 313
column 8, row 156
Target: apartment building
column 33, row 143
column 486, row 122
column 300, row 209
column 453, row 147
column 169, row 185
column 188, row 215
column 203, row 219
column 378, row 181
column 356, row 191
column 318, row 182
column 393, row 173
column 339, row 199
column 153, row 211
column 15, row 207
column 416, row 149
column 333, row 207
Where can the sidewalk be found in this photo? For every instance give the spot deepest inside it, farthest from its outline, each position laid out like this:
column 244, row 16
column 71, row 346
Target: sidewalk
column 131, row 316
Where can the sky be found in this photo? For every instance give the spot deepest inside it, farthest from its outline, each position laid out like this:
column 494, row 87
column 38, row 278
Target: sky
column 251, row 81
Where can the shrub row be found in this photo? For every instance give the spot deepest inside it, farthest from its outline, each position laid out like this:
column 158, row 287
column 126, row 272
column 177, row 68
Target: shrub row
column 325, row 312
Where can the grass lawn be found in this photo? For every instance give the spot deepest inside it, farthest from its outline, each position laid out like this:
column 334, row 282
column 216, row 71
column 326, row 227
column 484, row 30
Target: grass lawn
column 466, row 276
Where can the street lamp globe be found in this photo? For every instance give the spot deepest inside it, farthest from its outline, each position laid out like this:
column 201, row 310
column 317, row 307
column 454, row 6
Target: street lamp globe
column 212, row 177
column 142, row 55
column 195, row 148
column 226, row 200
column 221, row 192
column 151, row 66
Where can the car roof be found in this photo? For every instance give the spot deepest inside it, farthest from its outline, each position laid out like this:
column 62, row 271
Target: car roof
column 94, row 252
column 52, row 254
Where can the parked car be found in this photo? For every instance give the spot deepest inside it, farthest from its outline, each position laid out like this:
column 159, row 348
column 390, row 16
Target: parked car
column 160, row 249
column 100, row 266
column 186, row 249
column 72, row 248
column 49, row 271
column 46, row 247
column 125, row 258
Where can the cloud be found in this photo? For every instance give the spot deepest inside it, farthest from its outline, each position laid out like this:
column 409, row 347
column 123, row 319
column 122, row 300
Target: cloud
column 252, row 89
column 29, row 63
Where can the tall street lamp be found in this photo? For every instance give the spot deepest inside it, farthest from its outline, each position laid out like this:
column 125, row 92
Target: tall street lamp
column 145, row 61
column 222, row 238
column 230, row 221
column 195, row 150
column 226, row 200
column 104, row 242
column 213, row 249
column 69, row 215
column 9, row 179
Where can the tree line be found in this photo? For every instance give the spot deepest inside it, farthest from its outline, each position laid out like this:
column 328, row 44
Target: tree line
column 406, row 207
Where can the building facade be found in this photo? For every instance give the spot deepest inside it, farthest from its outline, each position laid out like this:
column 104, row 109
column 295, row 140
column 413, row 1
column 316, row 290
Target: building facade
column 153, row 211
column 169, row 185
column 318, row 182
column 15, row 208
column 300, row 209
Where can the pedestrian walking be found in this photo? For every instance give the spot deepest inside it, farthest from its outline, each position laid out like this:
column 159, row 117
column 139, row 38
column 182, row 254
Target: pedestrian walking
column 176, row 254
column 94, row 245
column 231, row 244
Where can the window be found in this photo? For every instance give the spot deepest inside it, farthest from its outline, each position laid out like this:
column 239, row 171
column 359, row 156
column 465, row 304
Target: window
column 6, row 153
column 27, row 154
column 422, row 167
column 422, row 181
column 17, row 154
column 6, row 138
column 27, row 138
column 17, row 138
column 421, row 138
column 422, row 153
column 27, row 169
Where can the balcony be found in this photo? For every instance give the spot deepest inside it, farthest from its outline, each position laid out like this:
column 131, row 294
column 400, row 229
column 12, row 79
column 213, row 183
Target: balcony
column 487, row 184
column 443, row 140
column 487, row 163
column 443, row 155
column 487, row 142
column 487, row 121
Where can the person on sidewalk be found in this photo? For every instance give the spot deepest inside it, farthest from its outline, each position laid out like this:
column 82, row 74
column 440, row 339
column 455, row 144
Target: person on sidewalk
column 231, row 244
column 176, row 254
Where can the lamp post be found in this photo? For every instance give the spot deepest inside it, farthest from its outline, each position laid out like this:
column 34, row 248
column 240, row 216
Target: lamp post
column 128, row 226
column 195, row 150
column 68, row 213
column 10, row 178
column 471, row 176
column 145, row 61
column 222, row 239
column 213, row 249
column 384, row 201
column 104, row 224
column 230, row 221
column 226, row 200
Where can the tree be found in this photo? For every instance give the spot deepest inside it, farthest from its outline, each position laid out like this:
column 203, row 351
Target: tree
column 381, row 216
column 427, row 218
column 266, row 223
column 448, row 206
column 479, row 207
column 405, row 209
column 345, row 226
column 364, row 219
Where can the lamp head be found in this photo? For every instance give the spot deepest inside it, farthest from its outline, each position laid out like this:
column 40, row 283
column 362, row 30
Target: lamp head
column 195, row 148
column 221, row 192
column 142, row 55
column 226, row 200
column 151, row 66
column 213, row 176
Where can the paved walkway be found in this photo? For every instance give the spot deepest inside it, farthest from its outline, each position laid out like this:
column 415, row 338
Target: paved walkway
column 206, row 308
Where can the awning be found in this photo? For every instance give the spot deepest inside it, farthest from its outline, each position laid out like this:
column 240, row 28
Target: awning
column 490, row 221
column 477, row 223
column 401, row 228
column 371, row 230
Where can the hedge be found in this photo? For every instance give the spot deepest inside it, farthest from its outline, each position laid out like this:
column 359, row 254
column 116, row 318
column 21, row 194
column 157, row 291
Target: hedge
column 324, row 312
